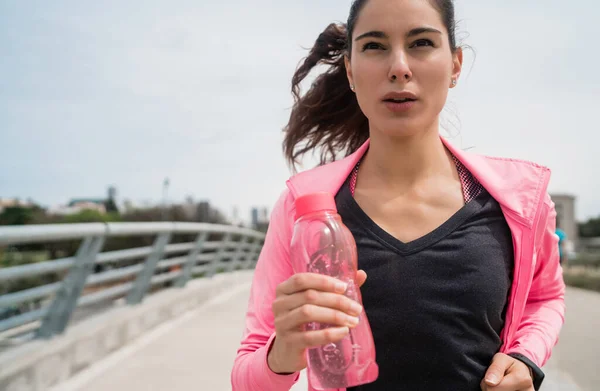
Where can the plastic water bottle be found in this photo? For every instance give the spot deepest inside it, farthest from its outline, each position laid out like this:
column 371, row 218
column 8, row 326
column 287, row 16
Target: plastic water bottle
column 322, row 244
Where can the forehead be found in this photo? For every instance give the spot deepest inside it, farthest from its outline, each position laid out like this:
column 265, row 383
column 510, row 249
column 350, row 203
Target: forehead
column 400, row 16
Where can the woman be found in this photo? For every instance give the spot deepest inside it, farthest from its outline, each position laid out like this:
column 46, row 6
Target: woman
column 464, row 288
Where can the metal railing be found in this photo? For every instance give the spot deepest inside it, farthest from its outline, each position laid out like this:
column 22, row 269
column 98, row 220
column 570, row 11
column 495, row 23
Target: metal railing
column 92, row 277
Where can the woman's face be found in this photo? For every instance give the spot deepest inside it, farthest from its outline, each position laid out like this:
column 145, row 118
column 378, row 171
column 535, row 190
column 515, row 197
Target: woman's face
column 400, row 49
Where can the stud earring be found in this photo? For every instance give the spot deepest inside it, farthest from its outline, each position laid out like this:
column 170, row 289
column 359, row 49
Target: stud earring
column 453, row 82
column 352, row 87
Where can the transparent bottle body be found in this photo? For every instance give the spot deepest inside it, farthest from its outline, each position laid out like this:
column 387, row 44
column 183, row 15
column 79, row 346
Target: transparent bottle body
column 322, row 244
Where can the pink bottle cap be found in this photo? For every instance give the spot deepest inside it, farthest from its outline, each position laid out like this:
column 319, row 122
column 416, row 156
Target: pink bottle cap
column 315, row 202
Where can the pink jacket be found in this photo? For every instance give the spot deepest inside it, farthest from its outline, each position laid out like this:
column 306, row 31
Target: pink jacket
column 536, row 305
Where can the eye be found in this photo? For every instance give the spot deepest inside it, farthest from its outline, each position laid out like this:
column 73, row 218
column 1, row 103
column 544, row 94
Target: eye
column 371, row 45
column 422, row 42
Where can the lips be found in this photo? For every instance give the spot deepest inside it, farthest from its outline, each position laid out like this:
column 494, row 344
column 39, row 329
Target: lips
column 399, row 102
column 403, row 100
column 400, row 97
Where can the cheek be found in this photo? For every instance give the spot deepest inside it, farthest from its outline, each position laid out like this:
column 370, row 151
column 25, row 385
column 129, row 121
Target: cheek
column 434, row 80
column 365, row 72
column 367, row 77
column 435, row 75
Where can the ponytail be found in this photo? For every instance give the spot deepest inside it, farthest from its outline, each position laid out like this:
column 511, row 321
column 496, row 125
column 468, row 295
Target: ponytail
column 327, row 117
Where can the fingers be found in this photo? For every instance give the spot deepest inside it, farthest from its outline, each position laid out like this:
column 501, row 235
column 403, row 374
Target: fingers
column 512, row 382
column 307, row 313
column 361, row 277
column 507, row 374
column 496, row 371
column 313, row 339
column 321, row 299
column 303, row 281
column 304, row 298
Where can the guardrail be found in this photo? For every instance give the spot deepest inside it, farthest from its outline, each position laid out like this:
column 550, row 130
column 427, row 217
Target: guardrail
column 214, row 248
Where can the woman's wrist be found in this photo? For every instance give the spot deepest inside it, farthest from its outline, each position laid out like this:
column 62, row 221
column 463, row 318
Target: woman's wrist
column 273, row 363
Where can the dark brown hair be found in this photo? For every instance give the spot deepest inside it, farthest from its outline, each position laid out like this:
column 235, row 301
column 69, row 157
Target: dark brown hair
column 328, row 117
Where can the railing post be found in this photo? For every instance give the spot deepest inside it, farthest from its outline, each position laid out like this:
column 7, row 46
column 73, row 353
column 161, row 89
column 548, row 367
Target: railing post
column 65, row 301
column 186, row 272
column 142, row 281
column 219, row 255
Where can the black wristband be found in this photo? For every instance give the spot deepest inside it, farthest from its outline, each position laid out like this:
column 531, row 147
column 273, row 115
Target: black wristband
column 537, row 374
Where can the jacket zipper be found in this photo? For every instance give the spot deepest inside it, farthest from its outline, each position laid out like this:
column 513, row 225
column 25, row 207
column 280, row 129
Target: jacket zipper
column 528, row 238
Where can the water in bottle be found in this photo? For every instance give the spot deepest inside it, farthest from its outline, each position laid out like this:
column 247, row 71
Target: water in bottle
column 322, row 244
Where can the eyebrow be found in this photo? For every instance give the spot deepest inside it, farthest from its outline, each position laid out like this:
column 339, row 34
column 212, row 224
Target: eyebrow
column 411, row 33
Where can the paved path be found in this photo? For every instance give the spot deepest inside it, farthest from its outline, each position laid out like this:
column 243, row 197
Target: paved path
column 196, row 351
column 578, row 351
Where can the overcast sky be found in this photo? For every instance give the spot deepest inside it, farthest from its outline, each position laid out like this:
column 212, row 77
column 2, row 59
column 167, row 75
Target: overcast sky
column 127, row 93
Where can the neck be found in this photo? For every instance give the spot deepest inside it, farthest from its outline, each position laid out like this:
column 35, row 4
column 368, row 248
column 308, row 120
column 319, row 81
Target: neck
column 401, row 162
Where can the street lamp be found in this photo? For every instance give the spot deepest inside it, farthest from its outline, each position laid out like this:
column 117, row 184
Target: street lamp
column 165, row 190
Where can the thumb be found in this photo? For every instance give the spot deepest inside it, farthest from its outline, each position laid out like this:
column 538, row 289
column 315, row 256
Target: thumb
column 496, row 371
column 361, row 277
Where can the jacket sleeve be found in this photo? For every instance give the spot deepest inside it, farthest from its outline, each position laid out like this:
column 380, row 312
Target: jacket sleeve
column 544, row 312
column 250, row 370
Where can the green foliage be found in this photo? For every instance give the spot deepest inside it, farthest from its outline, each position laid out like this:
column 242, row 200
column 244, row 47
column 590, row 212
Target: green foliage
column 18, row 258
column 16, row 215
column 91, row 216
column 110, row 206
column 590, row 228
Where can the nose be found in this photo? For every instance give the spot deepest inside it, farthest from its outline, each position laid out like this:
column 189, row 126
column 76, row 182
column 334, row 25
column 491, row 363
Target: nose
column 399, row 67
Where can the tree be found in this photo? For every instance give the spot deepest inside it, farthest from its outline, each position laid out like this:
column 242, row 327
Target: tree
column 111, row 206
column 110, row 203
column 16, row 215
column 590, row 228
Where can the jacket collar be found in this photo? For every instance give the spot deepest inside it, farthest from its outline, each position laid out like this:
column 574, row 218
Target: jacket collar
column 518, row 186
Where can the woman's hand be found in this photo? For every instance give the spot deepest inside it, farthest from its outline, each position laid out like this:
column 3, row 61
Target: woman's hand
column 507, row 374
column 305, row 298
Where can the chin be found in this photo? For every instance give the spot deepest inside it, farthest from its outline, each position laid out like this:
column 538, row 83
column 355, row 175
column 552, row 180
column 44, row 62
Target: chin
column 400, row 127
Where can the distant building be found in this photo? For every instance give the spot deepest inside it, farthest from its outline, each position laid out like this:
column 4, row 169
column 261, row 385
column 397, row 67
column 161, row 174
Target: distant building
column 265, row 216
column 81, row 202
column 565, row 218
column 254, row 218
column 259, row 221
column 77, row 205
column 235, row 217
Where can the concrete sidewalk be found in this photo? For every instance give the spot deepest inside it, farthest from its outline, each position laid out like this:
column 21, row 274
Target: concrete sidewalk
column 196, row 352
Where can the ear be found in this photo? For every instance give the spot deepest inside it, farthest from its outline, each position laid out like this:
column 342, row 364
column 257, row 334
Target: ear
column 457, row 63
column 348, row 70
